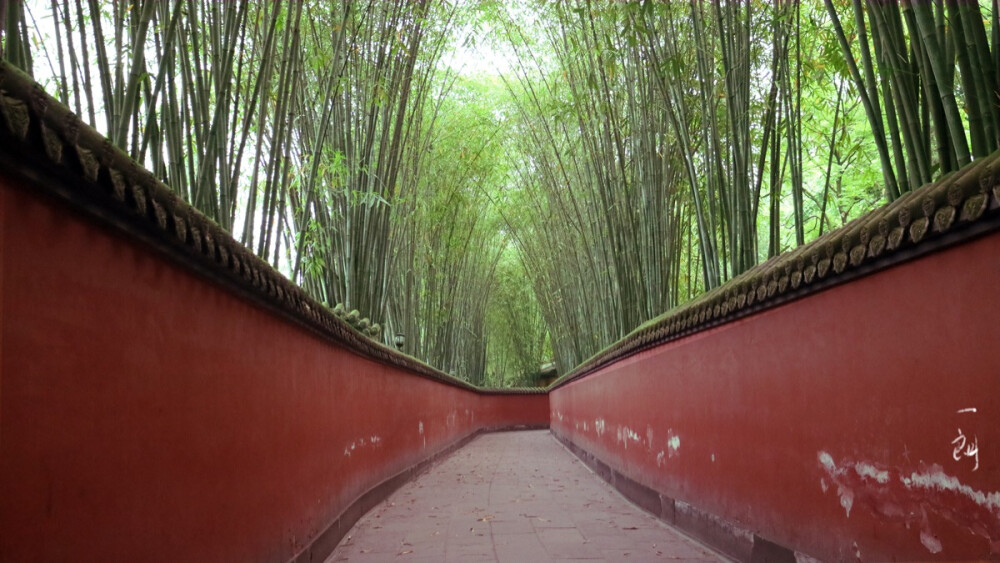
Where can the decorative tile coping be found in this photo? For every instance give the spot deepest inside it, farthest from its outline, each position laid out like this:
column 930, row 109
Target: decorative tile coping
column 48, row 145
column 45, row 144
column 956, row 208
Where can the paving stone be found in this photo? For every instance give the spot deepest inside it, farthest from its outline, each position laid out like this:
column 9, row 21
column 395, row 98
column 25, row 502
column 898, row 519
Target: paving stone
column 517, row 497
column 518, row 548
column 516, row 526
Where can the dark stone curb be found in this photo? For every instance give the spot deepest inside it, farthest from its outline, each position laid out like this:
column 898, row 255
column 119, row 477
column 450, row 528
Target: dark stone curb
column 326, row 542
column 726, row 537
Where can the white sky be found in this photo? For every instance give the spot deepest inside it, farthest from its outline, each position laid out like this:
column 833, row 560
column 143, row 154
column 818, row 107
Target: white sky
column 473, row 52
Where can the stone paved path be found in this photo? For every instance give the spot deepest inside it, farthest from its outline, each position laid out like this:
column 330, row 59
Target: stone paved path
column 512, row 496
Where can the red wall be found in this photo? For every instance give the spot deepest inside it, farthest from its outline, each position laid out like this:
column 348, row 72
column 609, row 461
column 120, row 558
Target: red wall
column 848, row 398
column 146, row 414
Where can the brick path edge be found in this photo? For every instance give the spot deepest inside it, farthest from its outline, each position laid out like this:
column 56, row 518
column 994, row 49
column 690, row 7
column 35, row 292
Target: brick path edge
column 323, row 546
column 725, row 536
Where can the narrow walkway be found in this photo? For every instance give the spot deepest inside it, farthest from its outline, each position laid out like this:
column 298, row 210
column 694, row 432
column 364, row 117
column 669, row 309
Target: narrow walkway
column 512, row 496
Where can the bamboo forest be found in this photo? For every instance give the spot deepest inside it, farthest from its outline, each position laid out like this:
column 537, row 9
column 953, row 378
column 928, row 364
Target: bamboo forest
column 501, row 188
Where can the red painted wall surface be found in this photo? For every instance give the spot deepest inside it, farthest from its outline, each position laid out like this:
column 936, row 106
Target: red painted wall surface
column 512, row 411
column 146, row 414
column 827, row 424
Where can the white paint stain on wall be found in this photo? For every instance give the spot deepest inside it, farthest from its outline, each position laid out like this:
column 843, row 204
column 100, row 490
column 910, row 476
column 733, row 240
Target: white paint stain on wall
column 626, row 435
column 937, row 479
column 846, row 495
column 826, row 460
column 634, row 436
column 373, row 441
column 870, row 471
column 846, row 499
column 599, row 426
column 933, row 479
column 931, row 490
column 932, row 544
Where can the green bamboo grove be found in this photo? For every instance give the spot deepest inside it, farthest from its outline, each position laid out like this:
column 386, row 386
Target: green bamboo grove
column 493, row 186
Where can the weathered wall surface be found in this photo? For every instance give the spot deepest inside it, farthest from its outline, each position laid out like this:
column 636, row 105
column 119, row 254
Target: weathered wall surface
column 829, row 425
column 147, row 414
